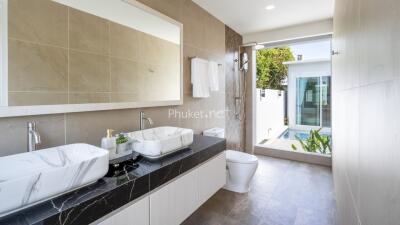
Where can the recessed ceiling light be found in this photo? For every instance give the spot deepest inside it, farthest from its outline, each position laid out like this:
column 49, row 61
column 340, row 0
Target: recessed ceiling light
column 270, row 7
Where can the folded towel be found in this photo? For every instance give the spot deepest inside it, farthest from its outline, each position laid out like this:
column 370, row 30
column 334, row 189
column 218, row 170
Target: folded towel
column 213, row 75
column 200, row 78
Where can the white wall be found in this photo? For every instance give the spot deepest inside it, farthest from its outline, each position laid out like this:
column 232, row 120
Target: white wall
column 366, row 105
column 270, row 115
column 290, row 33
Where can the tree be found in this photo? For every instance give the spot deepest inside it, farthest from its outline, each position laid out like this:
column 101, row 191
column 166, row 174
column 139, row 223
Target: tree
column 270, row 70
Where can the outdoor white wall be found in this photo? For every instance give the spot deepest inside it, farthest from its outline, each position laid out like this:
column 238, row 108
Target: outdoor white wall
column 292, row 32
column 270, row 115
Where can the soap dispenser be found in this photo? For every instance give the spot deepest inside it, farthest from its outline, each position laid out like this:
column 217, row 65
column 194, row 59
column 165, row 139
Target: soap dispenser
column 109, row 143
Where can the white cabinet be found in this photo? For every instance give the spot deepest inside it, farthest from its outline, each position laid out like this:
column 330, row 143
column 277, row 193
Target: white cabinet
column 211, row 177
column 135, row 214
column 186, row 196
column 172, row 203
column 176, row 201
column 162, row 205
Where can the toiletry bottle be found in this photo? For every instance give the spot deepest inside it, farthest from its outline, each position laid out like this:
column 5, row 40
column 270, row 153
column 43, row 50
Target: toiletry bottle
column 109, row 143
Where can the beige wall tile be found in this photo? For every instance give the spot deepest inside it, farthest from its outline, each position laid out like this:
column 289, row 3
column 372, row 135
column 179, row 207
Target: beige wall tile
column 155, row 83
column 125, row 76
column 125, row 97
column 36, row 98
column 40, row 21
column 88, row 72
column 193, row 21
column 170, row 53
column 90, row 127
column 150, row 48
column 36, row 68
column 163, row 116
column 215, row 33
column 171, row 8
column 188, row 53
column 211, row 113
column 171, row 80
column 83, row 98
column 88, row 32
column 124, row 42
column 14, row 132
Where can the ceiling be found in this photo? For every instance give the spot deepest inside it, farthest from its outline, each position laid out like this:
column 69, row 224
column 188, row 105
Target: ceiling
column 249, row 16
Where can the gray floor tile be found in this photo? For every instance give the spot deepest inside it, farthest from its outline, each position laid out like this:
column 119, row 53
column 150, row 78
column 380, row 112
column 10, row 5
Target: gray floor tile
column 283, row 192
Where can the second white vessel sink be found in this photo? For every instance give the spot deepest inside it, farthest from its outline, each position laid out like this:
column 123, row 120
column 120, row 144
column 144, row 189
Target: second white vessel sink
column 32, row 177
column 160, row 141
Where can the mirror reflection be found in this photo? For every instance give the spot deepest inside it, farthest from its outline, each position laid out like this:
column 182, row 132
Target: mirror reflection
column 78, row 52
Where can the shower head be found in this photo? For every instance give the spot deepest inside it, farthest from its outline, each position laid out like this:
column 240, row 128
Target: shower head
column 245, row 62
column 243, row 59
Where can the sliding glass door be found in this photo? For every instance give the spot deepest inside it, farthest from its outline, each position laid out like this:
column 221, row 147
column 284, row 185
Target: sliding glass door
column 313, row 101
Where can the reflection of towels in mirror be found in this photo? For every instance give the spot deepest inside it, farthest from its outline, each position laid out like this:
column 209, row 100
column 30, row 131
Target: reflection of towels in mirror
column 200, row 78
column 213, row 75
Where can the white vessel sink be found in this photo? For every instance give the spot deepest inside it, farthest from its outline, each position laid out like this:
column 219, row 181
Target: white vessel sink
column 160, row 141
column 29, row 178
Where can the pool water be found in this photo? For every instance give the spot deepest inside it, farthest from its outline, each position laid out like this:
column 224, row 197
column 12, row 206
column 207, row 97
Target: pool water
column 290, row 134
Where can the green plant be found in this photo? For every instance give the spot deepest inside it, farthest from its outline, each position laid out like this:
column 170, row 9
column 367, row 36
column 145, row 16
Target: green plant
column 121, row 139
column 270, row 70
column 315, row 143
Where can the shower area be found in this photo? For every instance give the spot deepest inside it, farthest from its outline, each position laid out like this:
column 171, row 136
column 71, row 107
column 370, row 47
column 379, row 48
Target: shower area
column 238, row 72
column 234, row 92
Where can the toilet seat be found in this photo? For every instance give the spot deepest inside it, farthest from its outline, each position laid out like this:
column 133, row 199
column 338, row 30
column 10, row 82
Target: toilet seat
column 240, row 157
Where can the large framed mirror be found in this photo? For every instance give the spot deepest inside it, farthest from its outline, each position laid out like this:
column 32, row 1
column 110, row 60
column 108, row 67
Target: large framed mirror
column 61, row 56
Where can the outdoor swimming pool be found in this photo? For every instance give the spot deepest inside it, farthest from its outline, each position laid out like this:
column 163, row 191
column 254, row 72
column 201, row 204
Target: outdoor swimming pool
column 290, row 134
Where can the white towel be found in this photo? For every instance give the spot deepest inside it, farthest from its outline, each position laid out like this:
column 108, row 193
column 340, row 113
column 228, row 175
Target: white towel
column 200, row 78
column 213, row 75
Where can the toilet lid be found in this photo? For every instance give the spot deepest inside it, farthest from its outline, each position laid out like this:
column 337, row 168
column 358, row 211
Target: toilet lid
column 240, row 157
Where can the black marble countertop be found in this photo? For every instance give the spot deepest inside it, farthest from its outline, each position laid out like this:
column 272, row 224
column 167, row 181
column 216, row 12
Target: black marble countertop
column 87, row 204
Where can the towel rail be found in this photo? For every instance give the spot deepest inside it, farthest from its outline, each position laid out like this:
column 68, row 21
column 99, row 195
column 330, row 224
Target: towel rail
column 195, row 57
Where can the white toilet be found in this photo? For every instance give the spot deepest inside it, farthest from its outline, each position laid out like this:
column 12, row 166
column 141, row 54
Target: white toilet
column 241, row 167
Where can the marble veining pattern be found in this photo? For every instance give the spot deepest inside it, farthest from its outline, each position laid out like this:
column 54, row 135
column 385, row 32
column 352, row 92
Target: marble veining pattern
column 64, row 160
column 35, row 176
column 87, row 204
column 30, row 188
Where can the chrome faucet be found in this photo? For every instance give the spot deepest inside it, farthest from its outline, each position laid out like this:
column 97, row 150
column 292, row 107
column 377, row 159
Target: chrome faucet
column 33, row 137
column 142, row 119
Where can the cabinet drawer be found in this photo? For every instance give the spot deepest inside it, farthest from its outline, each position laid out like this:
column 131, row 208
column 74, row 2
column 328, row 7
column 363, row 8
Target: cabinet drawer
column 211, row 177
column 135, row 214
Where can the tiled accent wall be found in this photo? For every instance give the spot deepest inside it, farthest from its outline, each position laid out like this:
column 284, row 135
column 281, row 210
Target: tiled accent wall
column 204, row 36
column 235, row 126
column 59, row 55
